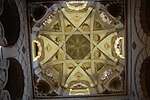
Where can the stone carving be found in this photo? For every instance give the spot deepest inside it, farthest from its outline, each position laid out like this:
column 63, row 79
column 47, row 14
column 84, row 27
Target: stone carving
column 4, row 64
column 69, row 28
column 3, row 73
column 97, row 54
column 81, row 43
column 5, row 95
column 96, row 37
column 78, row 75
column 56, row 27
column 78, row 46
column 86, row 65
column 2, row 38
column 70, row 66
column 85, row 27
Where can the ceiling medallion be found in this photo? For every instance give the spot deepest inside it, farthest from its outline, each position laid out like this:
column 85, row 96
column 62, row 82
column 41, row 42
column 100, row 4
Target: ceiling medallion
column 77, row 46
column 78, row 52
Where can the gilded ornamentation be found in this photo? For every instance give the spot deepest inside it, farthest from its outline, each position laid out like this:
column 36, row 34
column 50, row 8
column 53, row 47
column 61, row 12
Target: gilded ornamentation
column 77, row 17
column 85, row 27
column 78, row 75
column 69, row 28
column 78, row 47
column 86, row 65
column 70, row 66
column 96, row 37
column 97, row 54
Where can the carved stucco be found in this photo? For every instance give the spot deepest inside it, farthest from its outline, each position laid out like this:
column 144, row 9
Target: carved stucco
column 78, row 47
column 140, row 52
column 20, row 52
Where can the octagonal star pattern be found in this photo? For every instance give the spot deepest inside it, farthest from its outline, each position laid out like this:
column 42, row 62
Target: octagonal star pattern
column 76, row 49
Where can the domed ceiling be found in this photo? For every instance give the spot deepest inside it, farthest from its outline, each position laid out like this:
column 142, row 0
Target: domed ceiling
column 78, row 48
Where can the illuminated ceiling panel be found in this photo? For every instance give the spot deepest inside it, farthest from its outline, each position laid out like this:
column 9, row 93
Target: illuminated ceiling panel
column 78, row 49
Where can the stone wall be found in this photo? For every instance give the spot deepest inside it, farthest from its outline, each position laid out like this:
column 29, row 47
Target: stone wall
column 16, row 51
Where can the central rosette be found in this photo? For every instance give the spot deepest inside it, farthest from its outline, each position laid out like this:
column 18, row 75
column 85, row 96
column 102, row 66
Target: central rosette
column 77, row 46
